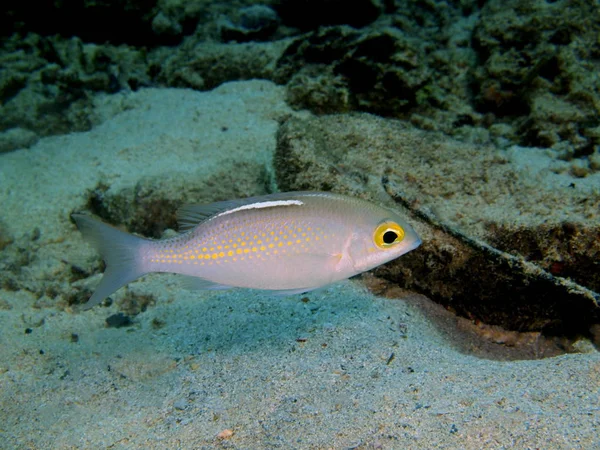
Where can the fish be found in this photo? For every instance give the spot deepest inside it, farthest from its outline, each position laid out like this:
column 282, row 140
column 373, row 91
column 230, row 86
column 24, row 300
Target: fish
column 286, row 243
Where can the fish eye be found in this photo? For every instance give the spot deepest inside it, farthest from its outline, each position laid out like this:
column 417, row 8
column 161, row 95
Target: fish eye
column 389, row 237
column 388, row 234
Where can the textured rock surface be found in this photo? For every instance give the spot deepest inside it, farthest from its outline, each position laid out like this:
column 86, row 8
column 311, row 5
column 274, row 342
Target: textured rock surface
column 383, row 70
column 538, row 70
column 467, row 195
column 310, row 14
column 149, row 207
column 131, row 22
column 516, row 73
column 48, row 85
column 204, row 66
column 253, row 23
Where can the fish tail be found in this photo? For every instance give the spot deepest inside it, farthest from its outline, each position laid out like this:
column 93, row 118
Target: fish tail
column 120, row 252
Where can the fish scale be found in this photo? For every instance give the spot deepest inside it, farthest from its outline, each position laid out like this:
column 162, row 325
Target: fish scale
column 255, row 244
column 286, row 242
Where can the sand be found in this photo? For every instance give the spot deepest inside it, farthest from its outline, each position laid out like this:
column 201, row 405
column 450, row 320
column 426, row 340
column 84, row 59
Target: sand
column 337, row 368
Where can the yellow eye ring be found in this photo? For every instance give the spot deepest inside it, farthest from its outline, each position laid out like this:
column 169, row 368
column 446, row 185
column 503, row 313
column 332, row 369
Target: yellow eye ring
column 388, row 234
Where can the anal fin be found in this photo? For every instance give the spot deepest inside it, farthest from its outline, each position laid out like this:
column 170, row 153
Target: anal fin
column 194, row 284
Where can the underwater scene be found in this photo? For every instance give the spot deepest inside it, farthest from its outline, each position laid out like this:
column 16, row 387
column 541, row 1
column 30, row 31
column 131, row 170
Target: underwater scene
column 300, row 224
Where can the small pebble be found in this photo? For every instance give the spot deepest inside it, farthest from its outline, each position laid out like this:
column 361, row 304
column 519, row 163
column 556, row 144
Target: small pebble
column 225, row 434
column 118, row 320
column 180, row 404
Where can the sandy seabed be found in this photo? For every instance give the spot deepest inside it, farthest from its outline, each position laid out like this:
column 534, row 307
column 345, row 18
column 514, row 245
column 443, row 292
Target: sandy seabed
column 338, row 368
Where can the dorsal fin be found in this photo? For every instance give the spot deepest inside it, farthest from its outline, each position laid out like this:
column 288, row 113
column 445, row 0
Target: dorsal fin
column 190, row 215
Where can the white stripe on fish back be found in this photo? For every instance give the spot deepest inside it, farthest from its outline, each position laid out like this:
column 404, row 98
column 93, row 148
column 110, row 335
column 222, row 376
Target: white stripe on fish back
column 262, row 205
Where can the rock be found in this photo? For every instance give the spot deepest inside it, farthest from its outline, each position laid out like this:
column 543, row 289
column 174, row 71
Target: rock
column 536, row 71
column 5, row 239
column 254, row 23
column 496, row 247
column 118, row 320
column 150, row 206
column 205, row 65
column 98, row 21
column 164, row 25
column 16, row 138
column 180, row 404
column 48, row 85
column 310, row 14
column 379, row 70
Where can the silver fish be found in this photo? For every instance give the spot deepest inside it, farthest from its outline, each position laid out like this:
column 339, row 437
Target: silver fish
column 288, row 242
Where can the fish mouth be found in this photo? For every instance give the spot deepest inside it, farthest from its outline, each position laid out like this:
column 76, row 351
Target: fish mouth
column 411, row 245
column 417, row 242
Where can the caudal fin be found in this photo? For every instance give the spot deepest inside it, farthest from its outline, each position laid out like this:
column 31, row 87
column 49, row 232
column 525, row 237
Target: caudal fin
column 120, row 252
